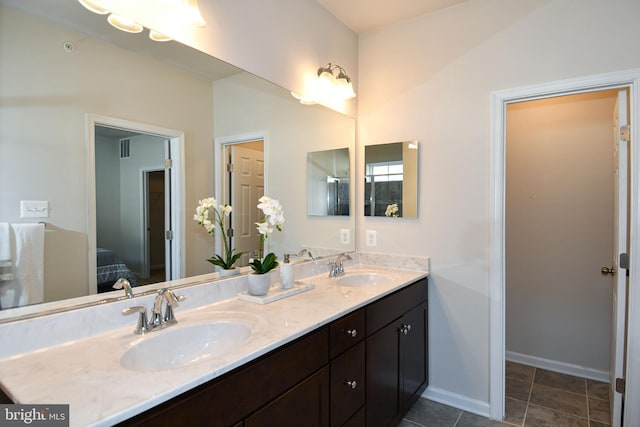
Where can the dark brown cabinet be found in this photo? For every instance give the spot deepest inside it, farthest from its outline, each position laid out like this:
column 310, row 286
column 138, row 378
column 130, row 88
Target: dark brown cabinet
column 396, row 354
column 366, row 368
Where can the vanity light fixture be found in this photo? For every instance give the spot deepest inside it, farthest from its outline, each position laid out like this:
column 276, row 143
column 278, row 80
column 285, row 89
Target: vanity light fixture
column 340, row 84
column 183, row 11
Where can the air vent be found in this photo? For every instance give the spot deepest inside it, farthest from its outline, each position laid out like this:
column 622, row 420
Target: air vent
column 125, row 148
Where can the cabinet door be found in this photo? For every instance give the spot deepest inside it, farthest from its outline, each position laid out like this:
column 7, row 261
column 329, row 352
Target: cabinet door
column 307, row 404
column 413, row 349
column 383, row 376
column 347, row 384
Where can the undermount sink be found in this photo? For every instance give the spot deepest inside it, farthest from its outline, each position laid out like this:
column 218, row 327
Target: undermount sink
column 179, row 345
column 363, row 279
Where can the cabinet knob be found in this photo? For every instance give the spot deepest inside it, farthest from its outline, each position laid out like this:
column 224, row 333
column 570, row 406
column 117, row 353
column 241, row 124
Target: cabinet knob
column 351, row 332
column 353, row 384
column 405, row 328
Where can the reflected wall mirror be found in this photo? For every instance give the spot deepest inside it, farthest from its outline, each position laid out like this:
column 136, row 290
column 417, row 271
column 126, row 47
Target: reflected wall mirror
column 328, row 182
column 391, row 180
column 47, row 92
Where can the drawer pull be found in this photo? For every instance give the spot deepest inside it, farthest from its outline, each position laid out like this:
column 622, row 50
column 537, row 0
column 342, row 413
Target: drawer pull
column 405, row 329
column 353, row 384
column 351, row 332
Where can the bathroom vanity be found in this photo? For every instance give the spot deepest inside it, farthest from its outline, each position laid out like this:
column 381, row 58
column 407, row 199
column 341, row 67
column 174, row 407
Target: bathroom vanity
column 351, row 352
column 321, row 378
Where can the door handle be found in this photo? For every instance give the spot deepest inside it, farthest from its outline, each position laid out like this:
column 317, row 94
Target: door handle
column 608, row 270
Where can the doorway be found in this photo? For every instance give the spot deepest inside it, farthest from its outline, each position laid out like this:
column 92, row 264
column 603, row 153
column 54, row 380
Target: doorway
column 559, row 233
column 499, row 100
column 136, row 224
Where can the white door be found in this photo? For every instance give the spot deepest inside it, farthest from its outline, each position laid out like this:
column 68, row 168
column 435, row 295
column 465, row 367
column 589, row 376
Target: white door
column 247, row 186
column 620, row 207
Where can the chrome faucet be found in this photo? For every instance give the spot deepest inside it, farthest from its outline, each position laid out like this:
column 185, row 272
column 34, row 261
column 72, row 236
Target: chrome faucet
column 305, row 251
column 336, row 268
column 158, row 321
column 124, row 283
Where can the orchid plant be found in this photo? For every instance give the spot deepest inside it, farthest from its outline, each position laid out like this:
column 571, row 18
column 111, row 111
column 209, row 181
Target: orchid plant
column 392, row 210
column 209, row 214
column 273, row 220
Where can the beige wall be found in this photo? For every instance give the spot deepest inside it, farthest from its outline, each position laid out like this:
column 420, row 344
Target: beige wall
column 559, row 224
column 431, row 79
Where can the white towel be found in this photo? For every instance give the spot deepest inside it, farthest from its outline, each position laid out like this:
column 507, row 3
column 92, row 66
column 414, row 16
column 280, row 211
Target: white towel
column 6, row 263
column 27, row 286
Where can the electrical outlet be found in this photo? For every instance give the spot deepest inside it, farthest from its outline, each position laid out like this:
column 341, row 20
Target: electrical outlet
column 34, row 209
column 345, row 237
column 372, row 238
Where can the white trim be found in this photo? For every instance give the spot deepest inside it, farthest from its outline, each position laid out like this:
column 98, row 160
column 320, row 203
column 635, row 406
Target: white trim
column 499, row 99
column 457, row 401
column 177, row 189
column 562, row 367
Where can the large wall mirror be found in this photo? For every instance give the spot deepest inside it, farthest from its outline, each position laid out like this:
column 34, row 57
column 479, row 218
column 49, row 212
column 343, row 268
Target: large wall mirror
column 77, row 95
column 391, row 180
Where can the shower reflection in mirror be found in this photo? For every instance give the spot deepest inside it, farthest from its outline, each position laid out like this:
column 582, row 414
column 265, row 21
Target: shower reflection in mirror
column 328, row 182
column 391, row 180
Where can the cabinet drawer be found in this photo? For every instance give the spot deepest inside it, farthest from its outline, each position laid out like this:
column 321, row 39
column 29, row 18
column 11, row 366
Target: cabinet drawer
column 347, row 384
column 345, row 332
column 391, row 307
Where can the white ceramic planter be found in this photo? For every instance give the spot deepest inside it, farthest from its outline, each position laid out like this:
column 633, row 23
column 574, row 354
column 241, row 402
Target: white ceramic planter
column 259, row 283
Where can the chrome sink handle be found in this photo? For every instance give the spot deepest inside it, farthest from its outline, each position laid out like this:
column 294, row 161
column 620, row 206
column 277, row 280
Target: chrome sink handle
column 143, row 324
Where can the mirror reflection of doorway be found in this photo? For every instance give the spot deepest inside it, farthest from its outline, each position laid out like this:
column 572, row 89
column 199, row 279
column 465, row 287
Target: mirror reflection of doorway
column 131, row 201
column 244, row 185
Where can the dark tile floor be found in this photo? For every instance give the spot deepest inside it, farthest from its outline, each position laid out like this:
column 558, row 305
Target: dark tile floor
column 534, row 398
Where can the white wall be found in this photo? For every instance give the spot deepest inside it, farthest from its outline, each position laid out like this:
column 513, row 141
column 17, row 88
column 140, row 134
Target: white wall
column 283, row 41
column 108, row 193
column 559, row 229
column 293, row 130
column 430, row 79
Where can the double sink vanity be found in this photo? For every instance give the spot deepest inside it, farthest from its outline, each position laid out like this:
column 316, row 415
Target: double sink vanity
column 351, row 351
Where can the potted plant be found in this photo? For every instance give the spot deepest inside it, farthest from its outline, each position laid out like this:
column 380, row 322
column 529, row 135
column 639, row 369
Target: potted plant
column 273, row 219
column 209, row 214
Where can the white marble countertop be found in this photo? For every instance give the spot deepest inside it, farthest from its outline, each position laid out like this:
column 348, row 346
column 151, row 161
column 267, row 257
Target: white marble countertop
column 87, row 374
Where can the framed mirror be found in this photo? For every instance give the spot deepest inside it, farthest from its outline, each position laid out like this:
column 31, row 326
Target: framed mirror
column 328, row 182
column 391, row 180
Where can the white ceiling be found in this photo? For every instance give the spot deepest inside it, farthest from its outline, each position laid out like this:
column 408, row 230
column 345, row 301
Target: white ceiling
column 364, row 15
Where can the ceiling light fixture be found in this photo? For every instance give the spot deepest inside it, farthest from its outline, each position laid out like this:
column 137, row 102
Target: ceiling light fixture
column 180, row 11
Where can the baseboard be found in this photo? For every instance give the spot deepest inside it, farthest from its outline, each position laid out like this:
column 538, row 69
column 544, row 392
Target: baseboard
column 562, row 367
column 457, row 401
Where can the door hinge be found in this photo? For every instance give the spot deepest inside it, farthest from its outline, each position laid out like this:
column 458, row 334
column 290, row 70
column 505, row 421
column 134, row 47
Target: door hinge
column 624, row 133
column 168, row 234
column 624, row 261
column 620, row 385
column 229, row 167
column 167, row 164
column 230, row 232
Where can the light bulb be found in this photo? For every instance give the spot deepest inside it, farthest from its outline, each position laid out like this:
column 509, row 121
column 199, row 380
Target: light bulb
column 124, row 24
column 93, row 7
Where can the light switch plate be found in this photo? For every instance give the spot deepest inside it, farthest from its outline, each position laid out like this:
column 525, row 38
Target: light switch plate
column 345, row 237
column 372, row 238
column 34, row 209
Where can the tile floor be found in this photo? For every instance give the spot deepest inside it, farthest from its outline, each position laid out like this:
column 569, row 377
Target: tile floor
column 534, row 398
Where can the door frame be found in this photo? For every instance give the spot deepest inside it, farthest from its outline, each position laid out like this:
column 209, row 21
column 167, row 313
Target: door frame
column 499, row 99
column 219, row 162
column 177, row 173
